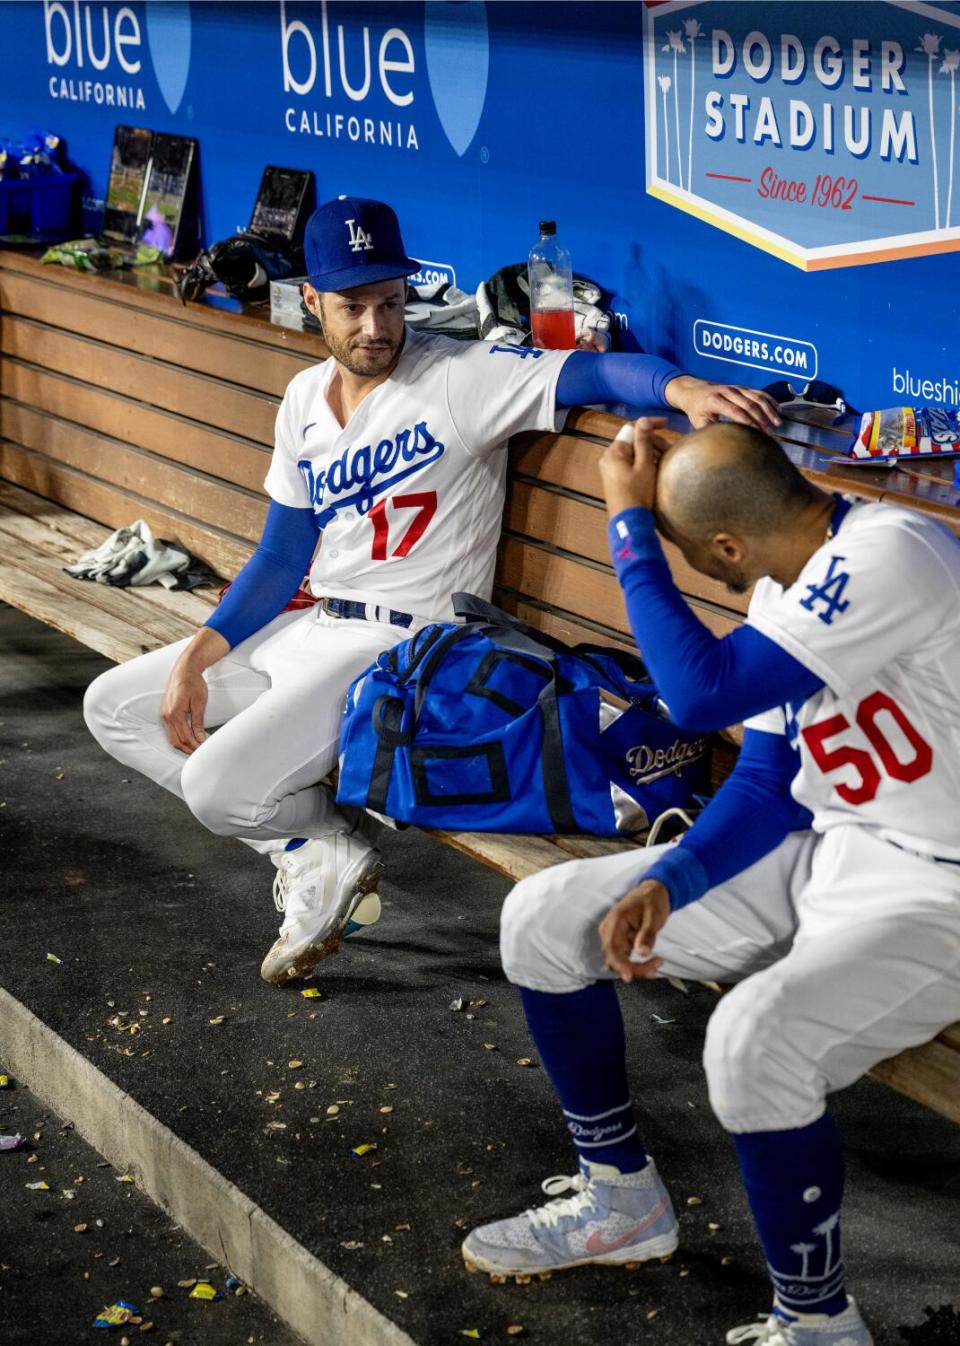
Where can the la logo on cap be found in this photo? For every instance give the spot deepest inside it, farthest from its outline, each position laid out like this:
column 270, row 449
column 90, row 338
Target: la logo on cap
column 359, row 240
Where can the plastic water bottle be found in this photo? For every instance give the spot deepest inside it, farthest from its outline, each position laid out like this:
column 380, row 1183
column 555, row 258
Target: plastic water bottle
column 550, row 276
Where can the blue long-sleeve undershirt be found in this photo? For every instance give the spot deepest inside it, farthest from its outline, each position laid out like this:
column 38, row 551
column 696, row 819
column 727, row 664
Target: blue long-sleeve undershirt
column 707, row 681
column 271, row 577
column 590, row 376
column 749, row 815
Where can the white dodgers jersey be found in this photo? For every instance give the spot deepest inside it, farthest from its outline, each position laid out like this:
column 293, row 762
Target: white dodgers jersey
column 409, row 494
column 875, row 613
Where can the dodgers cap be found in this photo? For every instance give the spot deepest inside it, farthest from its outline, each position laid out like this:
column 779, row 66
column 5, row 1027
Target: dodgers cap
column 354, row 241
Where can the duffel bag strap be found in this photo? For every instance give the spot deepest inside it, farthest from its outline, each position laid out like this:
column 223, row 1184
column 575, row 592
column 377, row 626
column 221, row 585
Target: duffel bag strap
column 504, row 628
column 630, row 665
column 556, row 785
column 386, row 718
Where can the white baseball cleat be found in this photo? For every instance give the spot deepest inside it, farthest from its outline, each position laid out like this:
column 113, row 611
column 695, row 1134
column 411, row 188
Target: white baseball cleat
column 614, row 1219
column 324, row 888
column 807, row 1329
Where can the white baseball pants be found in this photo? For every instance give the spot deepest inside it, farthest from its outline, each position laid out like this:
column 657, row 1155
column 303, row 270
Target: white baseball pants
column 276, row 702
column 846, row 950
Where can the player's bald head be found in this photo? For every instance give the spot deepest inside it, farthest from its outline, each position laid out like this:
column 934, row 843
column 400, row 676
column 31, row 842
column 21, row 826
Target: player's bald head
column 729, row 479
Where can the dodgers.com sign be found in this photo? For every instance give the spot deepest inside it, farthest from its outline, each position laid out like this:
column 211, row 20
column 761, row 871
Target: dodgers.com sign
column 787, row 356
column 824, row 134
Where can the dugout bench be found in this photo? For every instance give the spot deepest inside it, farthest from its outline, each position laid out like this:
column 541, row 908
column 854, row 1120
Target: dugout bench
column 116, row 403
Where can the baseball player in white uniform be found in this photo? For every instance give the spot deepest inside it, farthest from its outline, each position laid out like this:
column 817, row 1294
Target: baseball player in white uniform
column 823, row 878
column 394, row 451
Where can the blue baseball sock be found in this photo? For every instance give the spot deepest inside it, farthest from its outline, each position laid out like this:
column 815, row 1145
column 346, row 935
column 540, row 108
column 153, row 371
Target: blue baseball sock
column 794, row 1180
column 580, row 1040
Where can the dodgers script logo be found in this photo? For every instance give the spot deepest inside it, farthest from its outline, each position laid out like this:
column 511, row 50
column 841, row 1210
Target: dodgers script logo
column 646, row 764
column 358, row 476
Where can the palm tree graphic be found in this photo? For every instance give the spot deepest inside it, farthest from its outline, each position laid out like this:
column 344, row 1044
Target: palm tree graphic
column 930, row 47
column 951, row 63
column 664, row 82
column 692, row 29
column 803, row 1250
column 675, row 44
column 826, row 1228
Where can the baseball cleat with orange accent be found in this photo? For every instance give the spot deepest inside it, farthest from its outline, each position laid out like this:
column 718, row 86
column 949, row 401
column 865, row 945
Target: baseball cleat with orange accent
column 612, row 1219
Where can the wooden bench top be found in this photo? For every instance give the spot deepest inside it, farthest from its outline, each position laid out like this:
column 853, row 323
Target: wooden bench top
column 116, row 403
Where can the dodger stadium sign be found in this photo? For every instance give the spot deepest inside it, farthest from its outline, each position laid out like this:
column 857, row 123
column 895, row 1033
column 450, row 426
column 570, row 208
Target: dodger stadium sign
column 824, row 134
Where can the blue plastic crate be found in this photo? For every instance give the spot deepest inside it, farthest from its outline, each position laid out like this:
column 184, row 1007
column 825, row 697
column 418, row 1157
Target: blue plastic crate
column 40, row 205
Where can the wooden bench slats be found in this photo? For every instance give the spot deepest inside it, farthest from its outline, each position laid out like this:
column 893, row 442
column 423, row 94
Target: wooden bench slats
column 115, row 507
column 217, row 454
column 162, row 338
column 564, row 461
column 586, row 421
column 61, row 526
column 108, row 634
column 580, row 528
column 560, row 624
column 61, row 534
column 580, row 589
column 202, row 399
column 561, row 582
column 593, row 848
column 154, row 626
column 154, row 291
column 228, row 507
column 951, row 1037
column 515, row 857
column 927, row 1074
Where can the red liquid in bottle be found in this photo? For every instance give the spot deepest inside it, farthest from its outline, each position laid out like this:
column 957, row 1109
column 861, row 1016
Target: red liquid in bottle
column 553, row 329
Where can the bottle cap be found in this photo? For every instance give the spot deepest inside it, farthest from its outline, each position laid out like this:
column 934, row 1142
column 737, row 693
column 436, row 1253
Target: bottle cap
column 548, row 227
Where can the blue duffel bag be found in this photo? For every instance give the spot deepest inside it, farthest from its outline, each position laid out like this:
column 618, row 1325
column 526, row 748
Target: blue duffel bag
column 491, row 726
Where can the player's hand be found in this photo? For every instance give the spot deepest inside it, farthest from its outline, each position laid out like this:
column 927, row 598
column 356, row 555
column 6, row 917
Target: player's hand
column 703, row 403
column 184, row 704
column 631, row 927
column 629, row 465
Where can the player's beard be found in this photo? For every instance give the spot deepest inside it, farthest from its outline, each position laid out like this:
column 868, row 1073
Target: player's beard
column 735, row 581
column 379, row 361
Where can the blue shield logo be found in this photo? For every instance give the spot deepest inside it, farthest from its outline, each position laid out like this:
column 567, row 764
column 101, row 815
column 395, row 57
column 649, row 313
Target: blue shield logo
column 168, row 35
column 458, row 61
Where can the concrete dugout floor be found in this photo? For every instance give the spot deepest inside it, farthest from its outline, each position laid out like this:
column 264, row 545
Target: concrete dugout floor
column 62, row 1259
column 148, row 912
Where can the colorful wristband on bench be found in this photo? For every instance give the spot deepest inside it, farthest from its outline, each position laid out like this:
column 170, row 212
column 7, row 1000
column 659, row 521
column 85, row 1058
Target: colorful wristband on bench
column 632, row 535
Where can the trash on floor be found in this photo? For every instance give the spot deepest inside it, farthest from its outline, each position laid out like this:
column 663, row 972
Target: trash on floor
column 115, row 1315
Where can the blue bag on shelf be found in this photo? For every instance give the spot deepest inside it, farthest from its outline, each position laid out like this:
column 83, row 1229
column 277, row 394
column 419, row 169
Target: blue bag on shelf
column 491, row 726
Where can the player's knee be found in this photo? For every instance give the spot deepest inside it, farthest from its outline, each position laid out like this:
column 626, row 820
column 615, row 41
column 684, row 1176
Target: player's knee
column 517, row 932
column 210, row 800
column 535, row 950
column 100, row 703
column 757, row 1080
